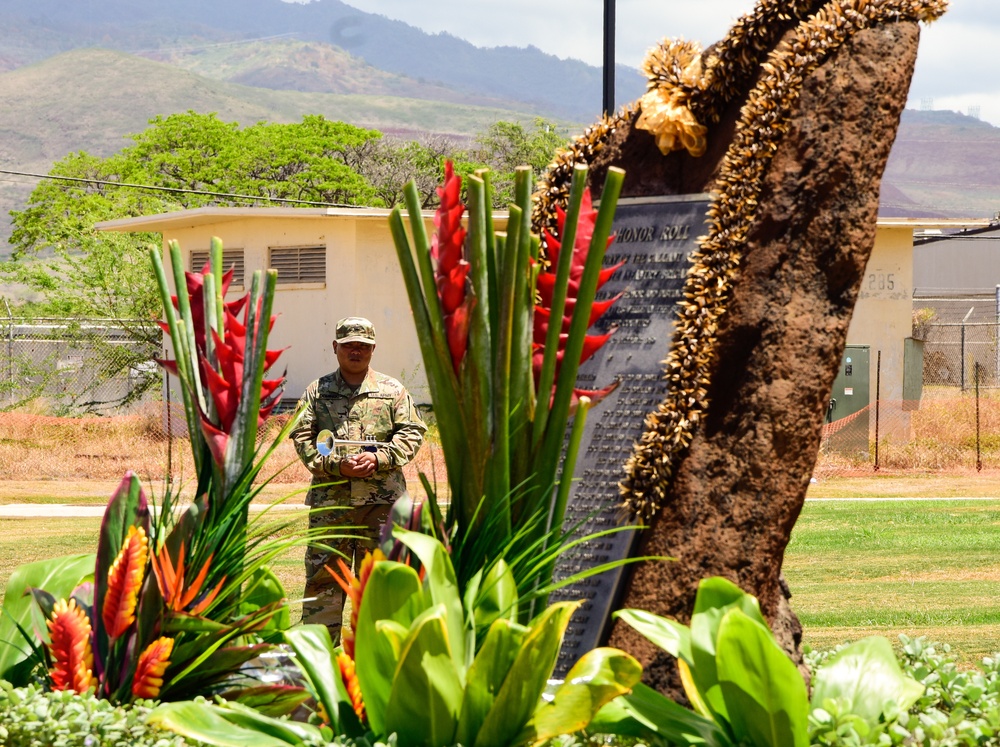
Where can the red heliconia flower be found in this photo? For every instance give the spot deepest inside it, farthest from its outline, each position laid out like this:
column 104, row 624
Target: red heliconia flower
column 71, row 649
column 350, row 678
column 153, row 662
column 354, row 587
column 225, row 379
column 447, row 246
column 124, row 580
column 170, row 581
column 545, row 286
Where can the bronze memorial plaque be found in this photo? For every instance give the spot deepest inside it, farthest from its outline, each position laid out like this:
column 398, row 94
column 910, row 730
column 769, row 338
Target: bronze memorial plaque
column 655, row 237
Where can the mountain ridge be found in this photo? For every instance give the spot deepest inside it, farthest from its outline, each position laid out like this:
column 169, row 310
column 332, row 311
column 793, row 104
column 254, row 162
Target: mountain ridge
column 570, row 89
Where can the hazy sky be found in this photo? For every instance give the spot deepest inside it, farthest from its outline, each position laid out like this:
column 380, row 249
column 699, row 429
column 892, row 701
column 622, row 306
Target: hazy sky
column 958, row 67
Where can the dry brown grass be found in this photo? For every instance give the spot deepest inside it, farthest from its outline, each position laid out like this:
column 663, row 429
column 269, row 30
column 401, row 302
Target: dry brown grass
column 939, row 436
column 77, row 457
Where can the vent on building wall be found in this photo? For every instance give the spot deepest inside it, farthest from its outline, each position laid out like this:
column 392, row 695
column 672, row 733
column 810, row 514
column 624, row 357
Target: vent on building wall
column 230, row 257
column 299, row 264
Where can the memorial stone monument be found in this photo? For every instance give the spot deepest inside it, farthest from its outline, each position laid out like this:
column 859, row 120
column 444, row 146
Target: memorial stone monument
column 654, row 238
column 787, row 123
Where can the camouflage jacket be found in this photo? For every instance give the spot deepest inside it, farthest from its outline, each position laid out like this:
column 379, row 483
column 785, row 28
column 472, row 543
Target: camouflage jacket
column 380, row 408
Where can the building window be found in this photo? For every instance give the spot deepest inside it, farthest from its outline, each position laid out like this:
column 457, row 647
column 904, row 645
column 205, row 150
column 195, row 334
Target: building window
column 230, row 258
column 299, row 264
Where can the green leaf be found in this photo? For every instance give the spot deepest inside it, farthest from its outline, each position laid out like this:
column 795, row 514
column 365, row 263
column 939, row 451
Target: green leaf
column 600, row 676
column 868, row 676
column 291, row 732
column 315, row 655
column 440, row 587
column 59, row 577
column 264, row 588
column 645, row 713
column 487, row 674
column 669, row 635
column 715, row 597
column 764, row 692
column 212, row 725
column 393, row 592
column 271, row 700
column 427, row 690
column 495, row 597
column 526, row 681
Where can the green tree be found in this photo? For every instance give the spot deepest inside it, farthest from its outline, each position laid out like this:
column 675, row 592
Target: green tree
column 506, row 145
column 75, row 270
column 71, row 270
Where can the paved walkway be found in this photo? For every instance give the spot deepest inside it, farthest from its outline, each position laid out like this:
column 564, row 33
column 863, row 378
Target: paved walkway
column 64, row 511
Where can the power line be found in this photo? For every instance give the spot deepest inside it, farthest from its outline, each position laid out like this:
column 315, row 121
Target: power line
column 178, row 190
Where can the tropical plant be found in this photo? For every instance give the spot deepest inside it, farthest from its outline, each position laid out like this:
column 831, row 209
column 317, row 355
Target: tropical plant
column 175, row 601
column 743, row 689
column 502, row 368
column 416, row 672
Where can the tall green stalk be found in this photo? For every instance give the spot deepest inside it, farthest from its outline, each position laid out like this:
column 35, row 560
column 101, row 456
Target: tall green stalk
column 503, row 440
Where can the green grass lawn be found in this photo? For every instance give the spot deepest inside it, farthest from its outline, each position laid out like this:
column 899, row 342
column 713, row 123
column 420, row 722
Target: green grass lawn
column 28, row 540
column 928, row 568
column 856, row 568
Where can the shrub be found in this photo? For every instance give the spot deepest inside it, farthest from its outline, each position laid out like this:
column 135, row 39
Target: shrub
column 30, row 717
column 958, row 707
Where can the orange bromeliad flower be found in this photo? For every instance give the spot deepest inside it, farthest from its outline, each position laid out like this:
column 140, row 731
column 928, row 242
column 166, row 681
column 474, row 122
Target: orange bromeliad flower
column 170, row 581
column 354, row 587
column 350, row 677
column 71, row 650
column 153, row 662
column 124, row 579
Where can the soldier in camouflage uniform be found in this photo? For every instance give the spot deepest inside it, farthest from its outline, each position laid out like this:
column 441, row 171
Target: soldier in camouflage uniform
column 356, row 403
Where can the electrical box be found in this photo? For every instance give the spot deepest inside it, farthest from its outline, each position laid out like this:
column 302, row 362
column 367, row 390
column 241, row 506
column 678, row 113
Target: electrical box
column 913, row 373
column 847, row 414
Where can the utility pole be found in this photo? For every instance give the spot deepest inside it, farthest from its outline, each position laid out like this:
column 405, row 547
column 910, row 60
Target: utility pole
column 609, row 56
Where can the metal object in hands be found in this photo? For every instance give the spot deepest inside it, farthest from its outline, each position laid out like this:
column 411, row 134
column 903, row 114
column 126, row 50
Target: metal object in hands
column 327, row 444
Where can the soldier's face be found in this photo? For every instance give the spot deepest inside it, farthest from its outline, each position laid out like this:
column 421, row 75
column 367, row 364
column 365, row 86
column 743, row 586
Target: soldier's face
column 354, row 357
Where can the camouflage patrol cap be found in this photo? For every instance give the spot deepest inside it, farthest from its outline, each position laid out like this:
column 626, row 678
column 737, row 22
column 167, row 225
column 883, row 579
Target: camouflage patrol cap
column 355, row 329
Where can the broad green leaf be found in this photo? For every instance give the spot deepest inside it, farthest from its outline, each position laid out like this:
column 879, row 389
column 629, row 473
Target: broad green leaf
column 271, row 700
column 315, row 655
column 526, row 681
column 496, row 596
column 214, row 725
column 292, row 732
column 486, row 675
column 600, row 676
column 393, row 592
column 264, row 588
column 59, row 577
column 427, row 690
column 715, row 597
column 441, row 587
column 669, row 635
column 867, row 675
column 764, row 692
column 645, row 713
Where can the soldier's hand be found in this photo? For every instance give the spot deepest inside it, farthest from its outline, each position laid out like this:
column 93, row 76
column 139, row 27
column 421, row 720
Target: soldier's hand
column 359, row 465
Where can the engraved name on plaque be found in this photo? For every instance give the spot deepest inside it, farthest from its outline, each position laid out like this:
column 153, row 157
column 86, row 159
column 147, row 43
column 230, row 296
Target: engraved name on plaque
column 655, row 237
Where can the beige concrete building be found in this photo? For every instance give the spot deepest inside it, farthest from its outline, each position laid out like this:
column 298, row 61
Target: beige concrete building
column 883, row 320
column 338, row 262
column 331, row 262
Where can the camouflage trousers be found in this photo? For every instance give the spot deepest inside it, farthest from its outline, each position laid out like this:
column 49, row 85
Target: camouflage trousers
column 330, row 606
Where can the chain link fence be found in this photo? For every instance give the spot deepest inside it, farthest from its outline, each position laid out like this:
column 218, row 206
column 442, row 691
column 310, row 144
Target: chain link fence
column 954, row 426
column 75, row 367
column 85, row 400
